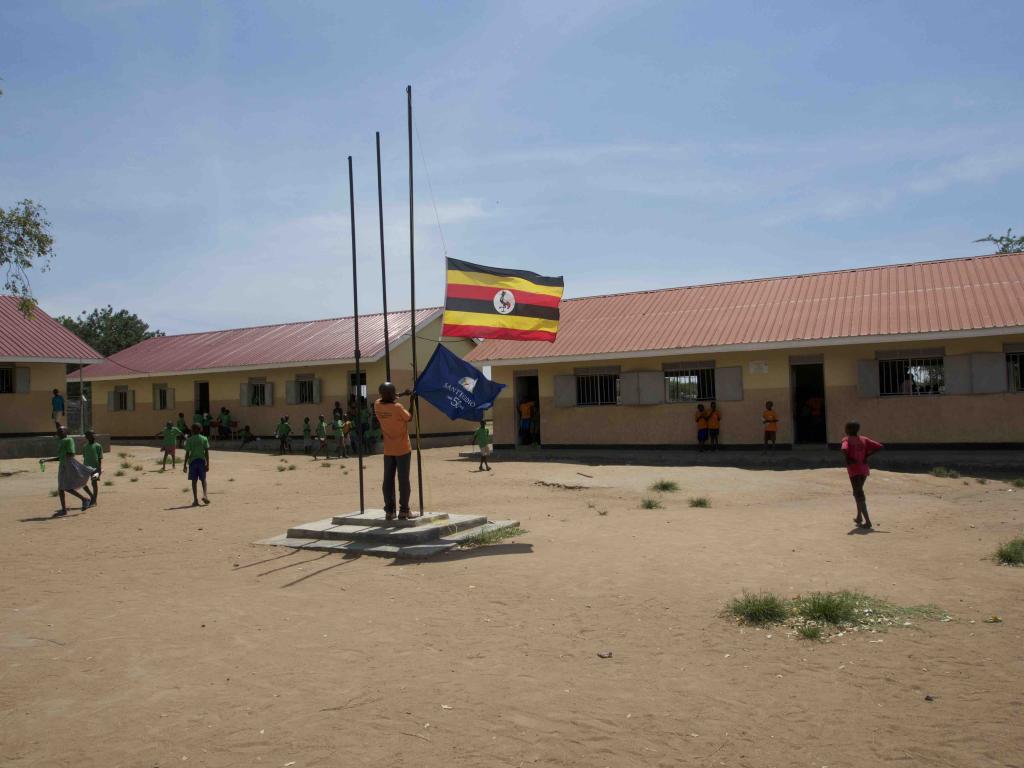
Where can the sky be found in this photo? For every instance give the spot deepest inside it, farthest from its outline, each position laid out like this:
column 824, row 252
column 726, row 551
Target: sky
column 192, row 156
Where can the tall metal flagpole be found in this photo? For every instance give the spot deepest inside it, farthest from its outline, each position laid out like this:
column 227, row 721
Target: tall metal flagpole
column 383, row 268
column 355, row 322
column 412, row 307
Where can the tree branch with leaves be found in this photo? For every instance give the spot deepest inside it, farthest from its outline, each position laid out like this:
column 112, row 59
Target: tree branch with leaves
column 25, row 244
column 1007, row 243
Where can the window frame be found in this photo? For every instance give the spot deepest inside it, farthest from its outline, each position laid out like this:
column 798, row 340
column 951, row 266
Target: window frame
column 121, row 399
column 892, row 383
column 5, row 371
column 597, row 382
column 304, row 384
column 257, row 394
column 1015, row 372
column 703, row 375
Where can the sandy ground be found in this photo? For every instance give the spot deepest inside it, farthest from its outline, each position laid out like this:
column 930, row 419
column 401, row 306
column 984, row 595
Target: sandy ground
column 147, row 633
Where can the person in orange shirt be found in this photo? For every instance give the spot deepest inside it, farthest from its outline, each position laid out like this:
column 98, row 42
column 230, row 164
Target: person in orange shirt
column 526, row 421
column 770, row 420
column 701, row 417
column 714, row 425
column 394, row 426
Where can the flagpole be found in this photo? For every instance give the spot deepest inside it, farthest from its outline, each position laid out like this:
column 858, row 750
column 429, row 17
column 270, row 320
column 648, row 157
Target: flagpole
column 412, row 306
column 355, row 322
column 383, row 269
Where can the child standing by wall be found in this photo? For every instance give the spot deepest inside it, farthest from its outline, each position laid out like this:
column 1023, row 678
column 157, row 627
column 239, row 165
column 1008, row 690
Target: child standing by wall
column 701, row 418
column 321, row 438
column 770, row 420
column 857, row 449
column 714, row 425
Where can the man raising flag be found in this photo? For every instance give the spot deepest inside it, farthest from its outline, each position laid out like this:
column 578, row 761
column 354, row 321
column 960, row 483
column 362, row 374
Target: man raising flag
column 496, row 303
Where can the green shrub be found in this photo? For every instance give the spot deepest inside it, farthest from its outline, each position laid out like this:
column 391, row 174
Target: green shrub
column 828, row 607
column 126, row 465
column 119, row 473
column 108, row 482
column 954, row 474
column 703, row 502
column 939, row 472
column 1018, row 483
column 281, row 468
column 759, row 609
column 1012, row 552
column 325, row 464
column 291, row 467
column 665, row 486
column 980, row 480
column 648, row 503
column 138, row 467
column 809, row 632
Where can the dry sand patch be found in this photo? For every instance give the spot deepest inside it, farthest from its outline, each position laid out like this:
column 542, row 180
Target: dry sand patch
column 144, row 631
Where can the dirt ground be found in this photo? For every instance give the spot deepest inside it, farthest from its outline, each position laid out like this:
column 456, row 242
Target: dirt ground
column 147, row 633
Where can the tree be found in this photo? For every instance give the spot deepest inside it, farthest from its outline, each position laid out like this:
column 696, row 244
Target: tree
column 108, row 331
column 25, row 242
column 1007, row 243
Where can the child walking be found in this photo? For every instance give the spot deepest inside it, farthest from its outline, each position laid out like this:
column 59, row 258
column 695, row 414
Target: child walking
column 92, row 457
column 170, row 434
column 71, row 475
column 482, row 438
column 197, row 461
column 857, row 449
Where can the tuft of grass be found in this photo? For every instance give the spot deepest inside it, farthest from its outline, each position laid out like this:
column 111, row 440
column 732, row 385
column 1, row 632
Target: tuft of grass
column 119, row 473
column 665, row 486
column 981, row 480
column 944, row 472
column 126, row 465
column 325, row 464
column 231, row 479
column 648, row 503
column 834, row 608
column 291, row 467
column 135, row 480
column 138, row 467
column 1018, row 482
column 703, row 502
column 1011, row 552
column 281, row 467
column 602, row 512
column 809, row 632
column 486, row 538
column 954, row 474
column 759, row 609
column 122, row 455
column 54, row 494
column 108, row 482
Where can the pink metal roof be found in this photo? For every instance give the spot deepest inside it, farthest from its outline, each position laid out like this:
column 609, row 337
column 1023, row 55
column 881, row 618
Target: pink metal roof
column 983, row 292
column 317, row 341
column 41, row 338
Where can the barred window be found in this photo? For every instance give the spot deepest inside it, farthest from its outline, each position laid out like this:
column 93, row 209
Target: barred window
column 689, row 384
column 597, row 389
column 121, row 399
column 162, row 402
column 258, row 393
column 6, row 379
column 304, row 390
column 911, row 376
column 1015, row 371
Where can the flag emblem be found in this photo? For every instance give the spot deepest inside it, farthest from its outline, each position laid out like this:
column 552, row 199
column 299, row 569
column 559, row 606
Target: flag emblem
column 467, row 383
column 498, row 303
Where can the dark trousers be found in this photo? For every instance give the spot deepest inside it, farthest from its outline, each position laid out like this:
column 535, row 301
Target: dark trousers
column 399, row 464
column 857, row 482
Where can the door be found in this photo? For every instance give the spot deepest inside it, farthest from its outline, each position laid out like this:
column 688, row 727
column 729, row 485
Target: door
column 527, row 410
column 202, row 397
column 808, row 385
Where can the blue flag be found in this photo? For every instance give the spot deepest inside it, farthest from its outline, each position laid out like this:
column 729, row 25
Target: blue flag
column 455, row 387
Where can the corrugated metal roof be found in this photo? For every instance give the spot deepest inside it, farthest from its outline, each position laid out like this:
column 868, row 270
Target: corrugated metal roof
column 983, row 292
column 317, row 341
column 41, row 338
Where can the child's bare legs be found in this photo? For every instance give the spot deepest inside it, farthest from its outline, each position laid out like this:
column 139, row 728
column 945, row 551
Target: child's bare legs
column 862, row 519
column 64, row 504
column 95, row 490
column 195, row 495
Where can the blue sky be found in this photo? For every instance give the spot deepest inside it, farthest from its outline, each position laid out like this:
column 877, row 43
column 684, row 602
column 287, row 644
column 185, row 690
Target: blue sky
column 192, row 156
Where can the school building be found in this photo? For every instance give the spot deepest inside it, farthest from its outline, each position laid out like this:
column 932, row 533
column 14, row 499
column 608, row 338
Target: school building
column 261, row 374
column 921, row 354
column 34, row 355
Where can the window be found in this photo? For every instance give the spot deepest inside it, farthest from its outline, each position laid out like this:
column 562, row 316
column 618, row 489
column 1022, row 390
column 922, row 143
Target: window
column 362, row 382
column 7, row 380
column 121, row 399
column 160, row 400
column 911, row 376
column 304, row 391
column 1014, row 371
column 684, row 385
column 597, row 389
column 257, row 393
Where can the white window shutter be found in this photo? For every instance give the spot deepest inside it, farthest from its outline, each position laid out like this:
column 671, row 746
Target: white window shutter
column 957, row 375
column 131, row 399
column 629, row 389
column 243, row 394
column 269, row 389
column 110, row 402
column 729, row 383
column 22, row 380
column 170, row 399
column 316, row 390
column 988, row 372
column 867, row 378
column 565, row 391
column 651, row 387
column 289, row 392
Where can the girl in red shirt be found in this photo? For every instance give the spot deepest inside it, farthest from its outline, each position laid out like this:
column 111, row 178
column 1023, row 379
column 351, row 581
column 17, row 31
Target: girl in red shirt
column 857, row 449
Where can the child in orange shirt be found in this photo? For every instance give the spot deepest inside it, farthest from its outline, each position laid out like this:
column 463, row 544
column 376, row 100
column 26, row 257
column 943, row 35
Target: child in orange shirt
column 394, row 420
column 770, row 420
column 701, row 417
column 714, row 425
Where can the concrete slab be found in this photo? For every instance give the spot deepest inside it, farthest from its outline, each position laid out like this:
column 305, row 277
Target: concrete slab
column 378, row 517
column 468, row 533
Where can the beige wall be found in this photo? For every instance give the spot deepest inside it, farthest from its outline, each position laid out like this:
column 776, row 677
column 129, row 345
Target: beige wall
column 988, row 418
column 224, row 392
column 29, row 412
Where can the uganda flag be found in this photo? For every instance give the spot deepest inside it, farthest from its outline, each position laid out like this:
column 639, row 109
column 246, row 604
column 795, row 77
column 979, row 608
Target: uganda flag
column 493, row 303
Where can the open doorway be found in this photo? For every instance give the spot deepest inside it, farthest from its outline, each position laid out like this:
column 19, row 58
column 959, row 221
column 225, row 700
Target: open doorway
column 201, row 396
column 527, row 410
column 808, row 386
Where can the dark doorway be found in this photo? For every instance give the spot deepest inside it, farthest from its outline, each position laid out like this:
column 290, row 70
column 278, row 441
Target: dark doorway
column 527, row 410
column 808, row 380
column 202, row 397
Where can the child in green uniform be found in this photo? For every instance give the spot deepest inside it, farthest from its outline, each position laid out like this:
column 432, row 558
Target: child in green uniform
column 281, row 432
column 170, row 435
column 71, row 475
column 225, row 423
column 339, row 438
column 307, row 430
column 247, row 436
column 182, row 426
column 197, row 461
column 206, row 425
column 482, row 439
column 92, row 457
column 321, row 438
